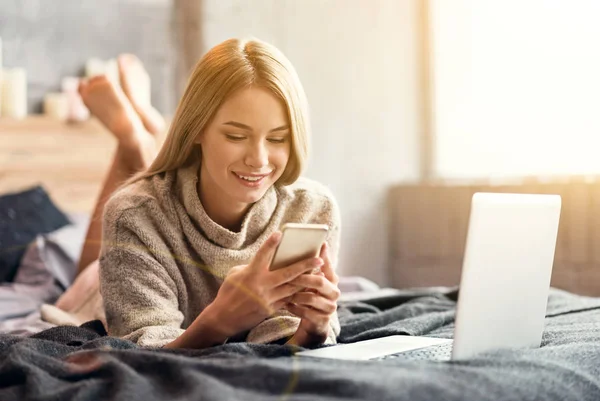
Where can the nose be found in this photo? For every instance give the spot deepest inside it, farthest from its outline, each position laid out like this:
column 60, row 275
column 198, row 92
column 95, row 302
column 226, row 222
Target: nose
column 257, row 156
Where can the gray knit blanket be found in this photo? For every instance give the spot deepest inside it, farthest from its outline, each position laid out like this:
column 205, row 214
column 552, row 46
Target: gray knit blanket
column 82, row 363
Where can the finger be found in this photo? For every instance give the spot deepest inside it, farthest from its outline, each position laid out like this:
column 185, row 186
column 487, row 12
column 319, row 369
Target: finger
column 283, row 291
column 312, row 315
column 327, row 267
column 314, row 301
column 289, row 273
column 263, row 257
column 281, row 304
column 318, row 283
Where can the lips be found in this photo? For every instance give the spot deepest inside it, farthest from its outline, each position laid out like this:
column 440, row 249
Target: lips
column 251, row 177
column 251, row 180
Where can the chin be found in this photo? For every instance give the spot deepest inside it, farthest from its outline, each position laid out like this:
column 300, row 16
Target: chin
column 251, row 197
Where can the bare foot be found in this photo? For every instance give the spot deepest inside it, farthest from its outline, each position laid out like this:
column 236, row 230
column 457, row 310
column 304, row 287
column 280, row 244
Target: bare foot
column 136, row 85
column 107, row 102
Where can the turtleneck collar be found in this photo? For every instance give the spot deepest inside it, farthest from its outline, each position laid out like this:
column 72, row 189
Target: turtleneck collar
column 255, row 221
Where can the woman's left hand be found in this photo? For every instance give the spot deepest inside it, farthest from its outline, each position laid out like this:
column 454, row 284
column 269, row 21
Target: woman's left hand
column 316, row 303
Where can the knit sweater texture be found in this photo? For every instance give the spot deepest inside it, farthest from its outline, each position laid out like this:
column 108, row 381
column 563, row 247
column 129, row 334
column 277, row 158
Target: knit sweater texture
column 163, row 259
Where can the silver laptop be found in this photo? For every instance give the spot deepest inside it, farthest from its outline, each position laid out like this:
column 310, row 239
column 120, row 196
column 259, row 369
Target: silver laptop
column 504, row 285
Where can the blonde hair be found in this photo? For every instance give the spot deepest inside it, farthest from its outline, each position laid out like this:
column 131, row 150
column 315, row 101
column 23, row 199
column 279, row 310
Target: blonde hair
column 226, row 68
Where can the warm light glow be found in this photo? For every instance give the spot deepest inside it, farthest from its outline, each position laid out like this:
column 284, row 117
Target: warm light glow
column 516, row 87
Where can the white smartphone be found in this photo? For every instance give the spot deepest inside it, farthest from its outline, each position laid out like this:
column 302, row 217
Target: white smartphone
column 299, row 242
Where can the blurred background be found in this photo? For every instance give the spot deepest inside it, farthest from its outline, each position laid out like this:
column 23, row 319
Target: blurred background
column 415, row 105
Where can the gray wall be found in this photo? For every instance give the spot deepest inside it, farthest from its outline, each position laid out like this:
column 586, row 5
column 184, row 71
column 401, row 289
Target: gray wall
column 357, row 60
column 54, row 38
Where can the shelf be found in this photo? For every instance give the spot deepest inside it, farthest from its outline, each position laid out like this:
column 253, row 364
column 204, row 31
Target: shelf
column 68, row 160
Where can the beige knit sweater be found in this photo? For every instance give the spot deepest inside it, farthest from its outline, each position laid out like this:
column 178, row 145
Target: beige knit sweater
column 163, row 259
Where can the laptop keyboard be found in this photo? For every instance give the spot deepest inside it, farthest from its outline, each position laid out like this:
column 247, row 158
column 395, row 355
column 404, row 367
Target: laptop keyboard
column 439, row 352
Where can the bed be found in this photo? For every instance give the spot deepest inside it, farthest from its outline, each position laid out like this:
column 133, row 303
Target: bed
column 68, row 362
column 65, row 162
column 82, row 363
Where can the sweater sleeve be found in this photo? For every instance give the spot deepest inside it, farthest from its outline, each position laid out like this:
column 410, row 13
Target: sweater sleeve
column 139, row 293
column 140, row 299
column 283, row 325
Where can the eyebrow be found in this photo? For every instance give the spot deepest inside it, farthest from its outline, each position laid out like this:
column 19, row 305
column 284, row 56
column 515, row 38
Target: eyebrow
column 248, row 128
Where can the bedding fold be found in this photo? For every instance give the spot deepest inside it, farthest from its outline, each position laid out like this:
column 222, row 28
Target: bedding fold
column 84, row 363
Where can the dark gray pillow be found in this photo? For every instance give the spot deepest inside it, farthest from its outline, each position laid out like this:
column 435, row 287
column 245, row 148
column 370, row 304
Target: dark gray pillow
column 23, row 216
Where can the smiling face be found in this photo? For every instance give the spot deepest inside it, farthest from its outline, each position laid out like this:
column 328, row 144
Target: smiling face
column 245, row 149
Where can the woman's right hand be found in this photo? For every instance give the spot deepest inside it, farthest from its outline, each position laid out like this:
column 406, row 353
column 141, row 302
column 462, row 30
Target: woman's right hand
column 251, row 293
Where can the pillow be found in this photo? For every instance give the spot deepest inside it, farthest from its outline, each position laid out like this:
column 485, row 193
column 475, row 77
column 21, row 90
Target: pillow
column 57, row 252
column 23, row 216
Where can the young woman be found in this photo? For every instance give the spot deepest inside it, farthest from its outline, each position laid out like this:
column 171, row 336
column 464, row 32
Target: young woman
column 187, row 243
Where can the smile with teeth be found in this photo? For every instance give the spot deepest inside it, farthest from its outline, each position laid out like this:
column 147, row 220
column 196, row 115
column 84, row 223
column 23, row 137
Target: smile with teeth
column 251, row 178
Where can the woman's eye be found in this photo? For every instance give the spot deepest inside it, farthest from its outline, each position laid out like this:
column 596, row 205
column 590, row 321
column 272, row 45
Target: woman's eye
column 276, row 140
column 235, row 137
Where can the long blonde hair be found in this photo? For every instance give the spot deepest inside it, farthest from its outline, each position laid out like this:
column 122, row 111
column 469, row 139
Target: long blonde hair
column 227, row 67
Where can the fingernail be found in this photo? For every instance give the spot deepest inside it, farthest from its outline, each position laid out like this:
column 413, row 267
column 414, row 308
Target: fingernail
column 317, row 262
column 276, row 237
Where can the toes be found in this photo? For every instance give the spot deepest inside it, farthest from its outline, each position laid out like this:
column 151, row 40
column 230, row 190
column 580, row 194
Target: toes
column 122, row 62
column 126, row 57
column 97, row 79
column 82, row 86
column 127, row 61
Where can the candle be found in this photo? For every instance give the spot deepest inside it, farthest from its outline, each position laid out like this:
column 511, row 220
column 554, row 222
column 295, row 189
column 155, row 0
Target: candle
column 0, row 76
column 56, row 106
column 77, row 110
column 1, row 90
column 14, row 93
column 70, row 84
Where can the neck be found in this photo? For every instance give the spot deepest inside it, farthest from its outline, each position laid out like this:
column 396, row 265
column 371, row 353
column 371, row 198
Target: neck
column 225, row 213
